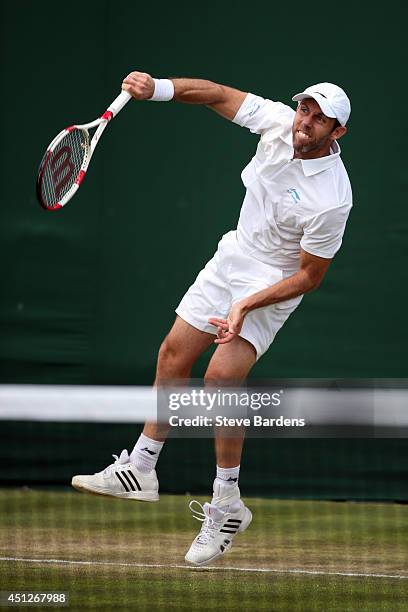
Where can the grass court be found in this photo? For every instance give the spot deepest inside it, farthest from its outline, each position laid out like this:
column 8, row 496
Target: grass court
column 120, row 555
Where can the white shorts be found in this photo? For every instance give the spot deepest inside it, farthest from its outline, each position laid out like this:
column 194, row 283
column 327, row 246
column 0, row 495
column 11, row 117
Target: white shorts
column 228, row 277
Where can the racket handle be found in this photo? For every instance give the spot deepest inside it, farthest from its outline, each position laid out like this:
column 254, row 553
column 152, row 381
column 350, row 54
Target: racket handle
column 118, row 103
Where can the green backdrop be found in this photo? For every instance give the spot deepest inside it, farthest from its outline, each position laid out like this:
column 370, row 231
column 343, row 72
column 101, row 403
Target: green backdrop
column 49, row 454
column 89, row 292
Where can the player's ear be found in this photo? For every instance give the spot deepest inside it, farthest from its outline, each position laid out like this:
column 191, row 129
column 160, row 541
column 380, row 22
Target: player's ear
column 338, row 132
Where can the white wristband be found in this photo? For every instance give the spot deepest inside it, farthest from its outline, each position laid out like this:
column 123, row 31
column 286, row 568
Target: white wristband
column 163, row 90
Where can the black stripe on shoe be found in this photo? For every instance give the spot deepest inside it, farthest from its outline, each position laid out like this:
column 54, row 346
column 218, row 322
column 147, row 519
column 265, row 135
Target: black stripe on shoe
column 131, row 485
column 133, row 477
column 233, row 521
column 119, row 477
column 234, row 530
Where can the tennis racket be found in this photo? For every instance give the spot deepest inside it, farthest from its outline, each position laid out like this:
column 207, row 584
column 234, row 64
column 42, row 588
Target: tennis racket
column 64, row 165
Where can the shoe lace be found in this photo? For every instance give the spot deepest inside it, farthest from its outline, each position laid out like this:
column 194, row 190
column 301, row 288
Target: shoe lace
column 209, row 527
column 118, row 461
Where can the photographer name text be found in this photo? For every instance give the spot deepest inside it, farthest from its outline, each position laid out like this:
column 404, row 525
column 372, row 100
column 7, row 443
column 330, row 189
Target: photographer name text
column 223, row 421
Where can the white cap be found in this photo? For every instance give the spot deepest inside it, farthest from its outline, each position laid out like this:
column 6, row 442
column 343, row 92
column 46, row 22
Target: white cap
column 331, row 98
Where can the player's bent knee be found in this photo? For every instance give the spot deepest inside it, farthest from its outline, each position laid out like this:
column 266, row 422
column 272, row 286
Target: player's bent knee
column 172, row 361
column 168, row 350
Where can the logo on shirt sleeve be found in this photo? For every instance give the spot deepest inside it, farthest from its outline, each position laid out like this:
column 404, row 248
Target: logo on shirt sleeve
column 294, row 194
column 254, row 108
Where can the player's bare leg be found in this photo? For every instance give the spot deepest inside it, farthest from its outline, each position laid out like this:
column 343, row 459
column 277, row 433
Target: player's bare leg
column 230, row 362
column 134, row 476
column 226, row 515
column 177, row 355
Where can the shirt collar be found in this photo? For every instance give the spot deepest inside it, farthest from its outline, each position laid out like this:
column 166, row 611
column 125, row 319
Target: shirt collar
column 314, row 166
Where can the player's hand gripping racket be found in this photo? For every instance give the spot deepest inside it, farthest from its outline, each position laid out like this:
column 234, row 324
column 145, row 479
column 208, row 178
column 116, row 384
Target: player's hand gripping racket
column 67, row 158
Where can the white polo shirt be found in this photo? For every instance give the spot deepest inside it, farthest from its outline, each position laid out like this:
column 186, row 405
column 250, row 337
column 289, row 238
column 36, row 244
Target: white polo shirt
column 289, row 203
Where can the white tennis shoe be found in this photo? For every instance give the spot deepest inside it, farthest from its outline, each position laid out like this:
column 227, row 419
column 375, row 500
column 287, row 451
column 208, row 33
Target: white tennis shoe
column 226, row 516
column 120, row 479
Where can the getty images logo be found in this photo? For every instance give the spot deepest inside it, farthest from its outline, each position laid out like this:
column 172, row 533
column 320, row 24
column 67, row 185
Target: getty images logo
column 294, row 194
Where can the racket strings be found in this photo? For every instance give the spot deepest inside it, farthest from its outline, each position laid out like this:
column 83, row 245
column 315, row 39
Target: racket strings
column 62, row 166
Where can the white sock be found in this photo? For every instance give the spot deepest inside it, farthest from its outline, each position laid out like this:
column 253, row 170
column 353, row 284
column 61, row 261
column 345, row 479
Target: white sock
column 228, row 475
column 146, row 453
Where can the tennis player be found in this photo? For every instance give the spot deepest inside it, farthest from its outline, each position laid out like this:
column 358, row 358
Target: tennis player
column 298, row 198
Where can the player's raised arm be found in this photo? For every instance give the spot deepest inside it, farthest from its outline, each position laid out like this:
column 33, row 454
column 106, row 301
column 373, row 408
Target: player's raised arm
column 222, row 99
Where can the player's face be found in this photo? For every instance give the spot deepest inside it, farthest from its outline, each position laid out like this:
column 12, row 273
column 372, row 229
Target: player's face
column 313, row 132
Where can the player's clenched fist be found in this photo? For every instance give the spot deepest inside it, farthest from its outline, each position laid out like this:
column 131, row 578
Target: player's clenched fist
column 140, row 85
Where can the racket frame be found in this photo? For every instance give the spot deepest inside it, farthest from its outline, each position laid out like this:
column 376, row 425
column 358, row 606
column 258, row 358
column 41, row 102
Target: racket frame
column 113, row 109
